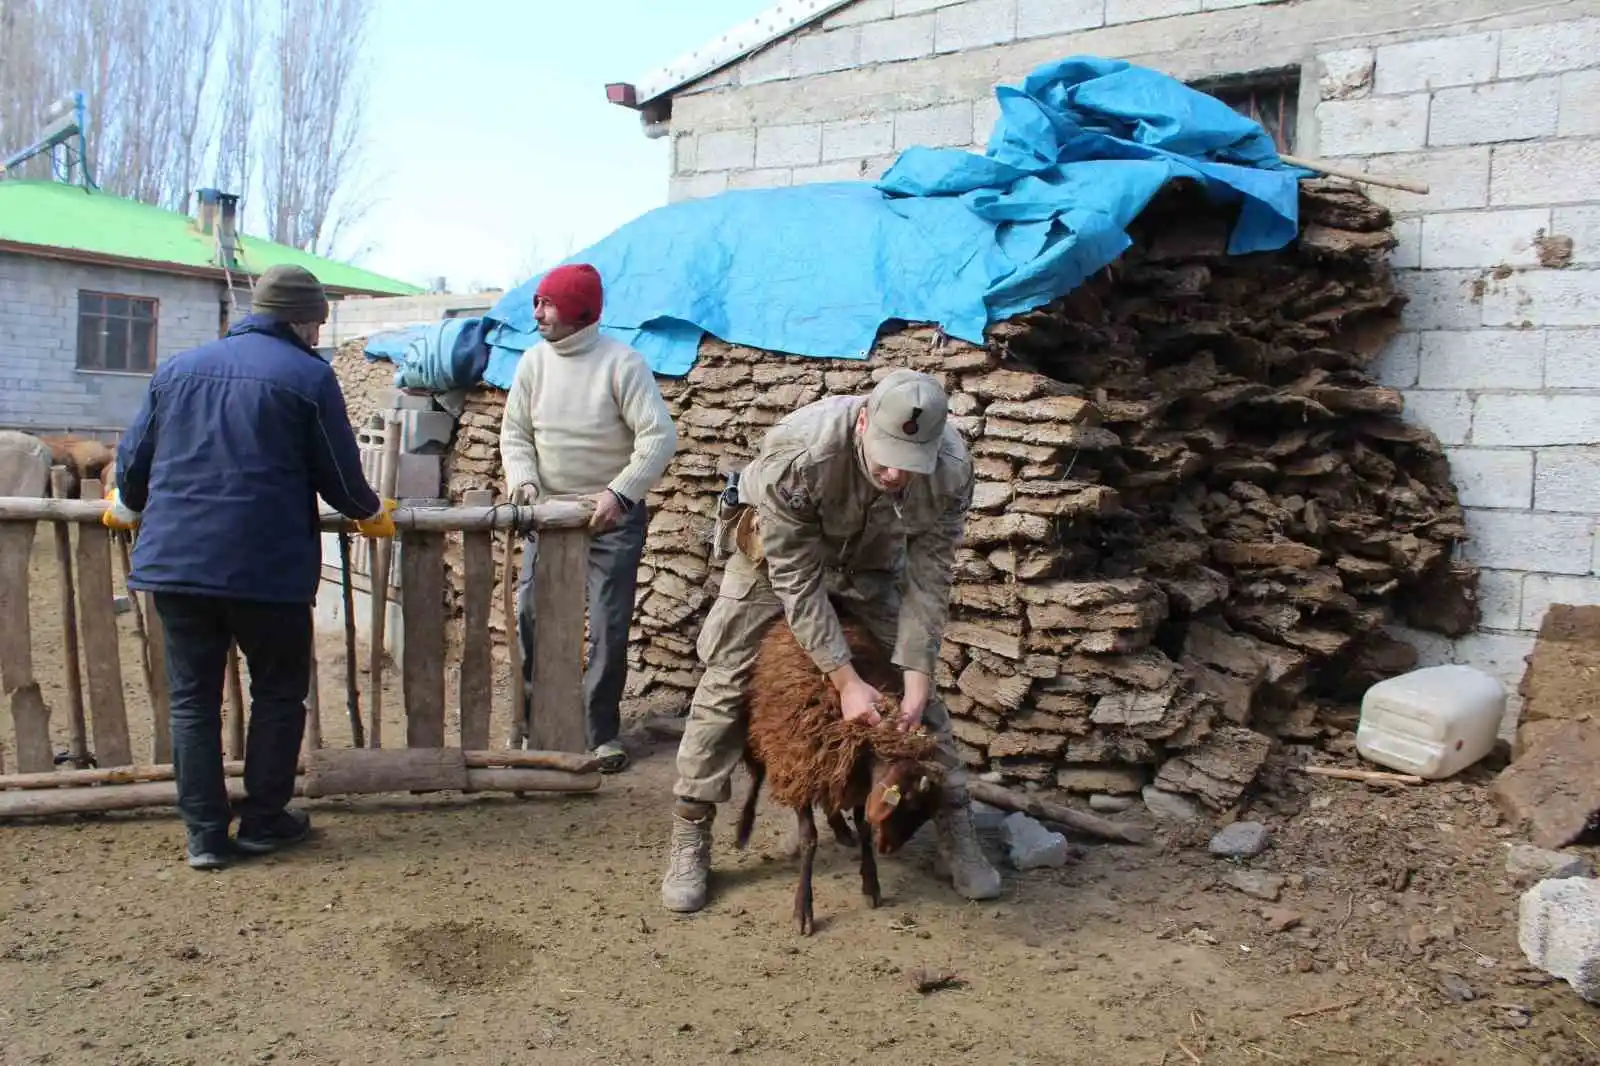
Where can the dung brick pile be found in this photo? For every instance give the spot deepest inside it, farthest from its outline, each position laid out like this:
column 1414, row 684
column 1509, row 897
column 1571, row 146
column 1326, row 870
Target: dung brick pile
column 1194, row 510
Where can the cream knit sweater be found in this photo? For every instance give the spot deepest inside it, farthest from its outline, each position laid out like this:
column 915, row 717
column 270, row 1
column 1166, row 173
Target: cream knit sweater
column 583, row 415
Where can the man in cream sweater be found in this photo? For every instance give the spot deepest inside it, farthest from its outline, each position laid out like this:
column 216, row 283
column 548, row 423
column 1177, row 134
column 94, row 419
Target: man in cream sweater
column 584, row 418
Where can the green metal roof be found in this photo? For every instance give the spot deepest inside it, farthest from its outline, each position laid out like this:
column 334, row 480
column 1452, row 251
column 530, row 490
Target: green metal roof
column 56, row 215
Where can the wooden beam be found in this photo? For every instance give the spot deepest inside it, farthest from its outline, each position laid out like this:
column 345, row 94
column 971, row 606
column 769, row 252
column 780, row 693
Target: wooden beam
column 554, row 514
column 422, row 612
column 77, row 724
column 108, row 712
column 560, row 600
column 160, row 688
column 381, row 557
column 475, row 691
column 508, row 604
column 29, row 714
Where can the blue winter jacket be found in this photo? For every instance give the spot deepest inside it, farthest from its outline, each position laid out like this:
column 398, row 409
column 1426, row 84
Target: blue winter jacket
column 234, row 443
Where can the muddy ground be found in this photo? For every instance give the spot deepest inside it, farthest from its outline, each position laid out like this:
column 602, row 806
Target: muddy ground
column 492, row 930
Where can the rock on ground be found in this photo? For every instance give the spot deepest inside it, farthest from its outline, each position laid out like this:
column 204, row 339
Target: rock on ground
column 1171, row 807
column 1261, row 885
column 985, row 816
column 1559, row 931
column 1526, row 863
column 1030, row 845
column 1241, row 840
column 1554, row 787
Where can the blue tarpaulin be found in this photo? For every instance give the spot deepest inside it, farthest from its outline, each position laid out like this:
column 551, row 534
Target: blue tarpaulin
column 445, row 355
column 945, row 236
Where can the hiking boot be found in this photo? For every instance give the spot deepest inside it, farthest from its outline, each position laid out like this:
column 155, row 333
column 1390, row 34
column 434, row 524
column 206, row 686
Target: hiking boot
column 207, row 851
column 683, row 889
column 959, row 857
column 288, row 827
column 613, row 757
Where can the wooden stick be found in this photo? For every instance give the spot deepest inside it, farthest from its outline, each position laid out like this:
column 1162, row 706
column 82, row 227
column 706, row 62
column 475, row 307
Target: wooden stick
column 78, row 751
column 161, row 694
column 30, row 715
column 1404, row 184
column 1045, row 811
column 352, row 691
column 519, row 685
column 381, row 555
column 123, row 544
column 564, row 761
column 313, row 738
column 1363, row 775
column 108, row 712
column 553, row 514
column 235, row 704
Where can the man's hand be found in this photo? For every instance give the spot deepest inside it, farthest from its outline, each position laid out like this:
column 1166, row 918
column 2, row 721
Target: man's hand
column 857, row 699
column 380, row 524
column 919, row 687
column 525, row 494
column 607, row 511
column 118, row 516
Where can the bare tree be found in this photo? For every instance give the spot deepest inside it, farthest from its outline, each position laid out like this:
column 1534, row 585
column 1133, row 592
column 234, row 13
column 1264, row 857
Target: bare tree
column 236, row 162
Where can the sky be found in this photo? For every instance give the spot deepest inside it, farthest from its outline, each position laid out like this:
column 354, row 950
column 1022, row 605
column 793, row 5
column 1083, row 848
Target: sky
column 490, row 147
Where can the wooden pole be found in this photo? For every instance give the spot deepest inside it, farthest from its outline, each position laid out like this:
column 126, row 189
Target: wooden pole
column 139, row 631
column 235, row 705
column 1045, row 811
column 381, row 555
column 519, row 684
column 161, row 694
column 77, row 724
column 1404, row 184
column 1342, row 774
column 108, row 711
column 352, row 691
column 313, row 739
column 552, row 514
column 475, row 685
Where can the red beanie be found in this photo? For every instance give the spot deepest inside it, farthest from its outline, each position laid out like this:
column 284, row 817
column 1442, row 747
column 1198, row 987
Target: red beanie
column 575, row 290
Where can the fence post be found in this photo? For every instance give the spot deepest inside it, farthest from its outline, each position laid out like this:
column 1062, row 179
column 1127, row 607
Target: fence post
column 560, row 600
column 29, row 714
column 108, row 713
column 422, row 614
column 476, row 689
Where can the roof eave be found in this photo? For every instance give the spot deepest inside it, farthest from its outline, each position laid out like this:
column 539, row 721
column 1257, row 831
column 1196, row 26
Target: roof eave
column 778, row 21
column 157, row 266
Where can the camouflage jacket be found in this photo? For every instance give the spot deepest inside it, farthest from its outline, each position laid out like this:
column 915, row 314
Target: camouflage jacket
column 818, row 511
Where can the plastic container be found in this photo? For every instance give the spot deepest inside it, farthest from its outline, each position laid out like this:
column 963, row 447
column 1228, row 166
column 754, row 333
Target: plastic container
column 1433, row 722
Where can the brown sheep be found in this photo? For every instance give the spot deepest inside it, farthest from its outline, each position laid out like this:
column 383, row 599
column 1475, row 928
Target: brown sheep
column 799, row 745
column 85, row 459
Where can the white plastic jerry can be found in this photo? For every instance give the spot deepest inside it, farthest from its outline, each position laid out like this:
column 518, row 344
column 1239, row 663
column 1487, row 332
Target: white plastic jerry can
column 1433, row 722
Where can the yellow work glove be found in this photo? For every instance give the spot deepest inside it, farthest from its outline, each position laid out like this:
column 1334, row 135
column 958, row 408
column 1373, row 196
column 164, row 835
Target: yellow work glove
column 381, row 525
column 117, row 516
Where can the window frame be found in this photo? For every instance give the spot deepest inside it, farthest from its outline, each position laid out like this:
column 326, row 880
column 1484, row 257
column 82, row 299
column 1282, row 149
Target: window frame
column 92, row 332
column 1277, row 88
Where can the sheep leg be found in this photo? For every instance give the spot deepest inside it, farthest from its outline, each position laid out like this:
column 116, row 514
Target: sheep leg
column 869, row 862
column 808, row 852
column 841, row 831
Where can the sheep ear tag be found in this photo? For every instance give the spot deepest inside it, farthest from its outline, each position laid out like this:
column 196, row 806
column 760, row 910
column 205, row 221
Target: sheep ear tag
column 891, row 796
column 924, row 784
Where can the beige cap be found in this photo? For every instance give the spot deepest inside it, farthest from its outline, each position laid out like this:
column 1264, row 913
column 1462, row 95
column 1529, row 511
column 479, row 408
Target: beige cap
column 906, row 414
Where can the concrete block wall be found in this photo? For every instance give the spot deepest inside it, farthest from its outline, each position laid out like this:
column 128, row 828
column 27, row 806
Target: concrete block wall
column 1496, row 106
column 41, row 387
column 361, row 316
column 1501, row 350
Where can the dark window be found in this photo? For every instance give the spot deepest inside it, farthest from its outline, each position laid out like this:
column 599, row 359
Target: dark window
column 1271, row 97
column 116, row 333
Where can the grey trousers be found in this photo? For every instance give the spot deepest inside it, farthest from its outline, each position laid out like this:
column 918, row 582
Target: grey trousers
column 613, row 580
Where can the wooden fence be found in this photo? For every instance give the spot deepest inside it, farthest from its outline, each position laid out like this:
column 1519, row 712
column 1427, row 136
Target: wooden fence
column 97, row 717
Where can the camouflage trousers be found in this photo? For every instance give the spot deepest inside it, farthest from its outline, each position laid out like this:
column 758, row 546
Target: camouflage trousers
column 713, row 738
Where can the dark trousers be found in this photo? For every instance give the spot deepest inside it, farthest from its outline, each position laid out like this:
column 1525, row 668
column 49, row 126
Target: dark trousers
column 275, row 639
column 613, row 579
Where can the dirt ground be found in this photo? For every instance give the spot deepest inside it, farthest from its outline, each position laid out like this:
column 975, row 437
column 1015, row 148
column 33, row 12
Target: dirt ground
column 495, row 930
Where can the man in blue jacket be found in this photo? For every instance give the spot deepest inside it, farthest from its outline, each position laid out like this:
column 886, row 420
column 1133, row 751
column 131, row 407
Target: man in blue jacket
column 221, row 470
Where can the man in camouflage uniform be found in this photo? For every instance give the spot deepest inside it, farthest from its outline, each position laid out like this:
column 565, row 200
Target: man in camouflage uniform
column 864, row 497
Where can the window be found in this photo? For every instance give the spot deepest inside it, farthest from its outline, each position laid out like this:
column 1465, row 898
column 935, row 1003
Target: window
column 116, row 333
column 1271, row 97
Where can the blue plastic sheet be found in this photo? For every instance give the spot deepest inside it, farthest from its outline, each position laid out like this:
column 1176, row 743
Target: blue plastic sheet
column 946, row 236
column 445, row 355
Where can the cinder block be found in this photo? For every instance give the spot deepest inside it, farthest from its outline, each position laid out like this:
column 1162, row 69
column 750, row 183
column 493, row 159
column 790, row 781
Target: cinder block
column 1483, row 238
column 1399, row 364
column 696, row 186
column 1482, row 359
column 1532, row 420
column 857, row 13
column 1545, row 172
column 975, row 24
column 1503, row 656
column 825, row 51
column 1046, row 18
column 419, row 476
column 1523, row 540
column 1440, row 299
column 934, row 127
column 1407, row 254
column 857, row 140
column 1558, row 929
column 1503, row 111
column 897, row 39
column 848, row 170
column 1456, row 177
column 1372, row 126
column 789, row 146
column 683, row 153
column 985, row 113
column 1447, row 414
column 1223, row 5
column 1436, row 63
column 772, row 63
column 1500, row 599
column 917, row 7
column 1572, row 359
column 1567, row 479
column 1539, row 591
column 761, row 179
column 1492, row 477
column 725, row 150
column 1580, row 104
column 1550, row 48
column 399, row 400
column 1544, row 298
column 1118, row 11
column 1582, row 225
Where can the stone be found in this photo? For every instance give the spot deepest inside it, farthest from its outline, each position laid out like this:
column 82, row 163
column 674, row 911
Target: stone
column 1279, row 920
column 1030, row 846
column 1558, row 930
column 1456, row 988
column 1526, row 864
column 1257, row 883
column 1241, row 840
column 985, row 817
column 1107, row 804
column 1169, row 806
column 1554, row 788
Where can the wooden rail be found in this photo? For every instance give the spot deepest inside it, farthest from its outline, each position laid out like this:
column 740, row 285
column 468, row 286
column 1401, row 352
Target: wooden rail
column 97, row 716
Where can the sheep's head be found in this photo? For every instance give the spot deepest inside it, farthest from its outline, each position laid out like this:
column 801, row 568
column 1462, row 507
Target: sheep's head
column 905, row 793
